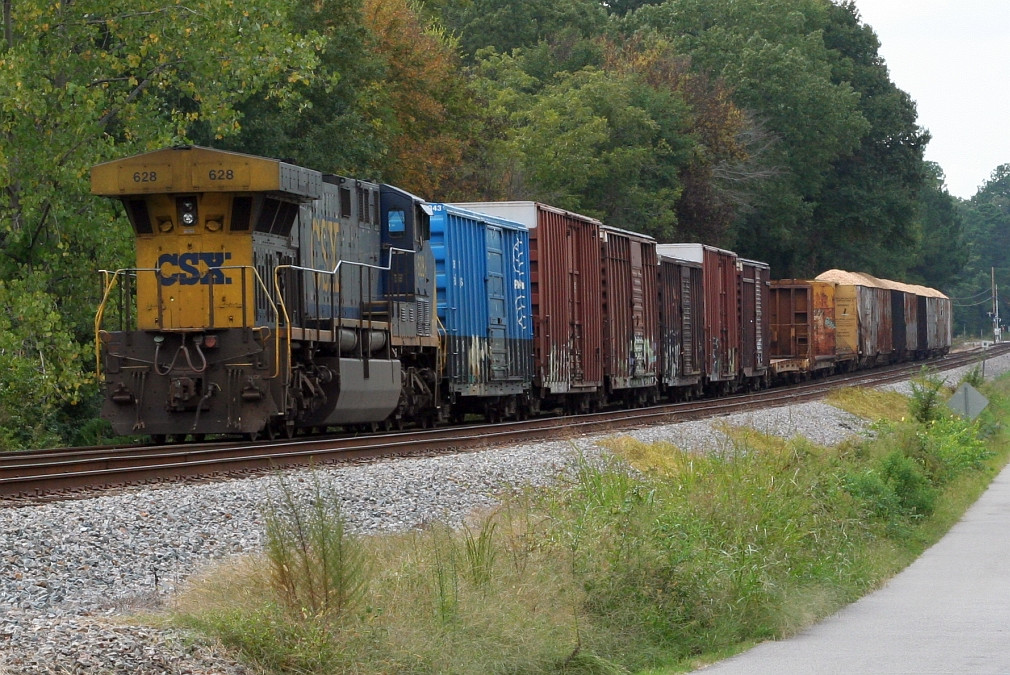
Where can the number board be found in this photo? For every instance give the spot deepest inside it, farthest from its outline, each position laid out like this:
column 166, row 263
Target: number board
column 226, row 175
column 145, row 178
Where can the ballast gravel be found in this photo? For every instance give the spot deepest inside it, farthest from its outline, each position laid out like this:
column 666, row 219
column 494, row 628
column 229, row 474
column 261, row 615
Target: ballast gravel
column 72, row 573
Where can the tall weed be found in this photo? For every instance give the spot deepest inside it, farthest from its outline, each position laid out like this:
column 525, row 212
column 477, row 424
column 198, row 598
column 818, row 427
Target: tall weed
column 925, row 402
column 316, row 566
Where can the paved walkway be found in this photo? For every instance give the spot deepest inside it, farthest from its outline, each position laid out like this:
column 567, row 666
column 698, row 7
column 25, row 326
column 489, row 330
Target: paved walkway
column 948, row 612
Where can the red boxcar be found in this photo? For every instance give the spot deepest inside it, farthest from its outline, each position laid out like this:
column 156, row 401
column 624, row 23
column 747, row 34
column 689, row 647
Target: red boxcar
column 681, row 329
column 565, row 271
column 630, row 315
column 802, row 327
column 721, row 319
column 753, row 280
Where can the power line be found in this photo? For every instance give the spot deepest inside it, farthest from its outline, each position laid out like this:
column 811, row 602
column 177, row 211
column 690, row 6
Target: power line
column 972, row 297
column 983, row 301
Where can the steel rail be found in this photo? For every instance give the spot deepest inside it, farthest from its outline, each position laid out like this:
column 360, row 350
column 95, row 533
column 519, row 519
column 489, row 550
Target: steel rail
column 66, row 472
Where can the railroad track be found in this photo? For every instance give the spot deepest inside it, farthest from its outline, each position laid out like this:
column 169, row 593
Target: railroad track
column 76, row 472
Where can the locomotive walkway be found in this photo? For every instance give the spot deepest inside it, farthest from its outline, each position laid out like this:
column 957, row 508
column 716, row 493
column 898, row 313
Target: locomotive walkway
column 948, row 612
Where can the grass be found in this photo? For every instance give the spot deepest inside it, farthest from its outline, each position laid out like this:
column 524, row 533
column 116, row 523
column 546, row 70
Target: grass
column 657, row 561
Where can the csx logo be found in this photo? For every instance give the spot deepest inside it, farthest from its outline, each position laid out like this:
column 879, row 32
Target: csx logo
column 189, row 268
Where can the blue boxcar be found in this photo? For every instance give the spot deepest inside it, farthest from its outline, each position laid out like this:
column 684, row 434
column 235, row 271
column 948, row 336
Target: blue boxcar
column 482, row 276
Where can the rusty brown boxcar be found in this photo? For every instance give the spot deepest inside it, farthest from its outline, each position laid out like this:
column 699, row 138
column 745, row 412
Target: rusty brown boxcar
column 934, row 325
column 802, row 327
column 630, row 315
column 904, row 319
column 752, row 292
column 565, row 269
column 721, row 323
column 862, row 317
column 681, row 329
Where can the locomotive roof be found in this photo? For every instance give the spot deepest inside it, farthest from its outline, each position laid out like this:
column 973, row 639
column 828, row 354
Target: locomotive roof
column 191, row 168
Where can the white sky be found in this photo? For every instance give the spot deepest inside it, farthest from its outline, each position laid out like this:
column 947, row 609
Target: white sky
column 953, row 58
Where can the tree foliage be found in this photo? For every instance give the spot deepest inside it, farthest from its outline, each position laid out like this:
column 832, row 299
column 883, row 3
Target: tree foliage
column 387, row 101
column 987, row 235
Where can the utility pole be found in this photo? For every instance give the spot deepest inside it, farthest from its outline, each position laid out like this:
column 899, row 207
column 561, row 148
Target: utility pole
column 995, row 307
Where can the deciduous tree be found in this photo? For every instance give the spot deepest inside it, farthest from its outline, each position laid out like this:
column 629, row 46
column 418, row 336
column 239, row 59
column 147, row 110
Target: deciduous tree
column 84, row 81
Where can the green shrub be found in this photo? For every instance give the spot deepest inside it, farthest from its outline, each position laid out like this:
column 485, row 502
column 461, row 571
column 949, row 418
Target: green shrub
column 973, row 377
column 925, row 402
column 877, row 497
column 912, row 487
column 956, row 445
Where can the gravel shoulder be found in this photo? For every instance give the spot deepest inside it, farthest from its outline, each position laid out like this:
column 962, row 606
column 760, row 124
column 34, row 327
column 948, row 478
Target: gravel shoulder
column 70, row 572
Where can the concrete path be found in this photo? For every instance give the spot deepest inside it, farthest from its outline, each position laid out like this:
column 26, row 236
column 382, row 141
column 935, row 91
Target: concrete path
column 948, row 612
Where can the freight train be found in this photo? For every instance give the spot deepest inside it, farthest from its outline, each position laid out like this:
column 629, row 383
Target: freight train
column 268, row 298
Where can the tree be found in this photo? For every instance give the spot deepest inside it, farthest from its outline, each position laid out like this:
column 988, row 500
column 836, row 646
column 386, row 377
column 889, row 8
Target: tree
column 986, row 219
column 85, row 81
column 597, row 141
column 868, row 211
column 387, row 101
column 504, row 25
column 717, row 171
column 430, row 105
column 339, row 121
column 942, row 254
column 809, row 75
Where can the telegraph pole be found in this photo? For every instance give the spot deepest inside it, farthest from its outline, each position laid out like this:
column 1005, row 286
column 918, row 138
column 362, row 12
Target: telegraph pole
column 995, row 307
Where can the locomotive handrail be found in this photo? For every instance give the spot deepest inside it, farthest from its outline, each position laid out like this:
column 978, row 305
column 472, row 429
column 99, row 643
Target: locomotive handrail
column 110, row 284
column 280, row 295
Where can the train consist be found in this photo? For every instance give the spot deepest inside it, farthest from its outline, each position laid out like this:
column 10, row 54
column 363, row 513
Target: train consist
column 269, row 298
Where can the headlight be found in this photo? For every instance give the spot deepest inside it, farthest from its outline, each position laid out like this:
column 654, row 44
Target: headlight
column 187, row 211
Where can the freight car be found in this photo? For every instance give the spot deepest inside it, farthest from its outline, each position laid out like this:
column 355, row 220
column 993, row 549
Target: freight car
column 842, row 320
column 565, row 283
column 483, row 285
column 681, row 334
column 802, row 328
column 719, row 320
column 863, row 319
column 752, row 294
column 630, row 316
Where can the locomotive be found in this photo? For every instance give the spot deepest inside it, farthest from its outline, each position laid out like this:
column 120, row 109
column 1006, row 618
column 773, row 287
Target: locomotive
column 268, row 298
